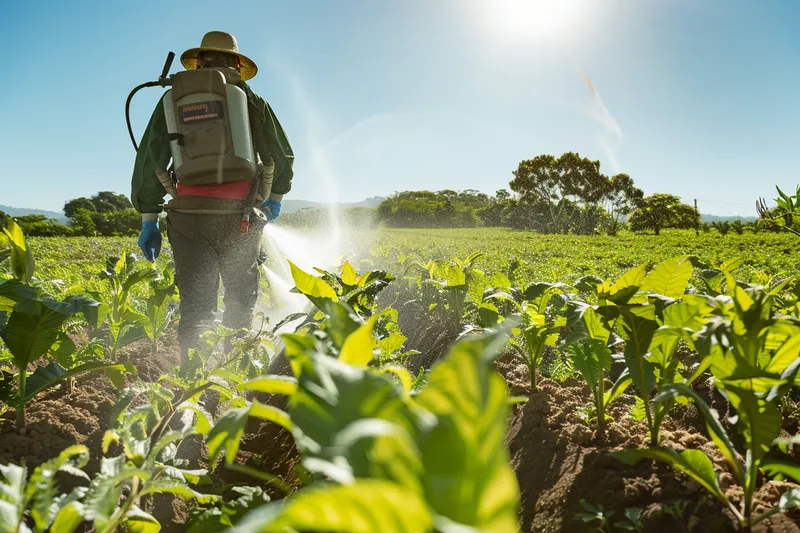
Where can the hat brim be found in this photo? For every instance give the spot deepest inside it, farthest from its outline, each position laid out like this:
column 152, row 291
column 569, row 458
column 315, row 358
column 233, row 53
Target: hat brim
column 189, row 60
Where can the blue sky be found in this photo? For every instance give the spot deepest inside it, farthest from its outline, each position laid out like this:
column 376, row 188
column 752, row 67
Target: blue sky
column 694, row 98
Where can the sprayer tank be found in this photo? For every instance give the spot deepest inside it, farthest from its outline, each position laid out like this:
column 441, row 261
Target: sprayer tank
column 209, row 126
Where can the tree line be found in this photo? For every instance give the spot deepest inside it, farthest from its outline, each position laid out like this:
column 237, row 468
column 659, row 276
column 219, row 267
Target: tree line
column 566, row 194
column 106, row 214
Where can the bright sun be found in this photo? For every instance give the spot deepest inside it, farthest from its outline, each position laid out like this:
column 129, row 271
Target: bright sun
column 534, row 20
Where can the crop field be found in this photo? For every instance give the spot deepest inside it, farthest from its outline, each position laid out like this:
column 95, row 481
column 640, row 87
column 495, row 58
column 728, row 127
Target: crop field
column 433, row 380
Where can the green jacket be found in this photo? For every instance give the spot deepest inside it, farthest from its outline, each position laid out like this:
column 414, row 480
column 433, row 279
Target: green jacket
column 147, row 193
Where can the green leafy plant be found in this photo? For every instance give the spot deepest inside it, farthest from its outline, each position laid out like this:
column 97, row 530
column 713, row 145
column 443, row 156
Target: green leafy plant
column 160, row 304
column 31, row 327
column 601, row 519
column 592, row 358
column 754, row 358
column 37, row 501
column 124, row 323
column 390, row 461
column 540, row 327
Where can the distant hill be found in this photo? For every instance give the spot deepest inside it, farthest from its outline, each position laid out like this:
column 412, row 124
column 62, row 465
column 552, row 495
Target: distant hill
column 22, row 211
column 290, row 205
column 718, row 218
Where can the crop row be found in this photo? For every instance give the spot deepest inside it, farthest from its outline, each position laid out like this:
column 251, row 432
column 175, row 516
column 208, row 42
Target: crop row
column 383, row 448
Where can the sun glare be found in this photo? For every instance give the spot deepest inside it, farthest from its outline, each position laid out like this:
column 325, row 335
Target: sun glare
column 521, row 21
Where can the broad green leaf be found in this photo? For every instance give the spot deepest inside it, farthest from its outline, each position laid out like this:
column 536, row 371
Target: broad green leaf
column 22, row 264
column 594, row 326
column 774, row 467
column 693, row 463
column 42, row 489
column 391, row 344
column 467, row 477
column 786, row 355
column 13, row 291
column 500, row 280
column 312, row 286
column 592, row 359
column 622, row 383
column 669, row 278
column 366, row 506
column 31, row 330
column 226, row 434
column 349, row 276
column 12, row 496
column 685, row 315
column 759, row 421
column 359, row 347
column 403, row 375
column 68, row 518
column 272, row 414
column 333, row 396
column 139, row 276
column 476, row 285
column 715, row 429
column 639, row 332
column 455, row 276
column 171, row 486
column 789, row 499
column 48, row 376
column 271, row 384
column 342, row 321
column 626, row 286
column 137, row 521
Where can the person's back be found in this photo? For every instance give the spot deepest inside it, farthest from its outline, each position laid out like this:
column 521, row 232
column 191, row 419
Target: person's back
column 213, row 227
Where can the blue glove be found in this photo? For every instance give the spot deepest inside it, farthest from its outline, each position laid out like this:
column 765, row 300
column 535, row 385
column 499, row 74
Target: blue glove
column 273, row 209
column 150, row 240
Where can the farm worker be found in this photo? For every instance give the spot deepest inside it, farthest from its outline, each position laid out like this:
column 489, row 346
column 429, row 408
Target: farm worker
column 204, row 222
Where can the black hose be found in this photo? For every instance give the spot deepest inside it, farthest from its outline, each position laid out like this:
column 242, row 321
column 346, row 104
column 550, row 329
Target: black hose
column 128, row 109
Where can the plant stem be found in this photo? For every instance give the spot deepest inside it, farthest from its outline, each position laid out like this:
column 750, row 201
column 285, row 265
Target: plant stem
column 23, row 376
column 122, row 511
column 601, row 409
column 650, row 425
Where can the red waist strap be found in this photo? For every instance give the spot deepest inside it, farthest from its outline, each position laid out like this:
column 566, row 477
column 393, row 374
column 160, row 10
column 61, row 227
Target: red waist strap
column 236, row 190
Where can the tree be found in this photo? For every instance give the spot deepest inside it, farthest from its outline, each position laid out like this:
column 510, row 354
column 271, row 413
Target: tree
column 502, row 194
column 621, row 197
column 552, row 179
column 71, row 207
column 557, row 183
column 660, row 211
column 82, row 223
column 106, row 201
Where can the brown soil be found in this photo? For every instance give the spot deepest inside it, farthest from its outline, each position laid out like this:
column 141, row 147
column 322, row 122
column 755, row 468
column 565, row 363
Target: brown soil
column 556, row 456
column 559, row 461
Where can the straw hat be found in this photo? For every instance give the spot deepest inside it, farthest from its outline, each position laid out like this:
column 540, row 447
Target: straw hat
column 219, row 41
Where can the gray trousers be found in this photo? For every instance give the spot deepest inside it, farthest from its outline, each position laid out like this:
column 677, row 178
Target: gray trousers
column 207, row 249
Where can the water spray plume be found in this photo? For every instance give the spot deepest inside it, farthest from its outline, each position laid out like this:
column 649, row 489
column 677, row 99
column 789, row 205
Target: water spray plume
column 307, row 251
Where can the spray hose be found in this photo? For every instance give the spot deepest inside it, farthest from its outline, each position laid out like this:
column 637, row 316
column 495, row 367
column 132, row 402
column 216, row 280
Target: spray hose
column 163, row 81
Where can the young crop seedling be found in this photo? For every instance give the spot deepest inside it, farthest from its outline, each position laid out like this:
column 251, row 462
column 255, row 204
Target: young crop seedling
column 540, row 327
column 590, row 348
column 125, row 324
column 755, row 359
column 31, row 327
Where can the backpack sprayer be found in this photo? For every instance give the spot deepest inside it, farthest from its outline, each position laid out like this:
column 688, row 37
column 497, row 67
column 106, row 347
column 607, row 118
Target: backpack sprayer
column 209, row 121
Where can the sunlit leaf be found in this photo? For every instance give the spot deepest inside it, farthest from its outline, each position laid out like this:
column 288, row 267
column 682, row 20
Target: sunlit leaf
column 669, row 278
column 366, row 506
